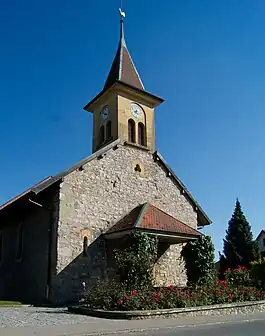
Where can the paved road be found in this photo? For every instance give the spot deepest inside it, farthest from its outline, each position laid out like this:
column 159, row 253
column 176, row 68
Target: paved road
column 58, row 322
column 255, row 328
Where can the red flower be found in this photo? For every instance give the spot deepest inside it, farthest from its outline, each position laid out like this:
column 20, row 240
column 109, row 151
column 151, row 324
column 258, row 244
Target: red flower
column 251, row 290
column 158, row 294
column 243, row 291
column 259, row 294
column 121, row 301
column 155, row 299
column 230, row 297
column 126, row 297
column 134, row 292
column 228, row 270
column 170, row 287
column 221, row 282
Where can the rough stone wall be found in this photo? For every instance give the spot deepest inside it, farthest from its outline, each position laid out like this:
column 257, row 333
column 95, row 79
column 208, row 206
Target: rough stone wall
column 94, row 199
column 170, row 269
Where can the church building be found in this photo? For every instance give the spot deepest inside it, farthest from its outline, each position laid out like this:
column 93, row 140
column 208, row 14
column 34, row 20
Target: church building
column 62, row 231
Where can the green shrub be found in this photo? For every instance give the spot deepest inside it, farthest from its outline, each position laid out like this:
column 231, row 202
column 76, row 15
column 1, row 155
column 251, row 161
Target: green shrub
column 199, row 257
column 136, row 262
column 105, row 295
column 257, row 273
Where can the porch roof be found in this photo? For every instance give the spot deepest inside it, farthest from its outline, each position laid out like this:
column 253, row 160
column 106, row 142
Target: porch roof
column 147, row 217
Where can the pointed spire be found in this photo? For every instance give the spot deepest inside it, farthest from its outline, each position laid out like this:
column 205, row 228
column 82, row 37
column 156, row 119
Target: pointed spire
column 123, row 68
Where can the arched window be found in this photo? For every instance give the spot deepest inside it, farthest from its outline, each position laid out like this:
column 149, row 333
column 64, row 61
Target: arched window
column 102, row 134
column 131, row 130
column 141, row 134
column 108, row 130
column 85, row 246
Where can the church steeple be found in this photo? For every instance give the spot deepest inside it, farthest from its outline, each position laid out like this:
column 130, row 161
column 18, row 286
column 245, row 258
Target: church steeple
column 123, row 68
column 124, row 109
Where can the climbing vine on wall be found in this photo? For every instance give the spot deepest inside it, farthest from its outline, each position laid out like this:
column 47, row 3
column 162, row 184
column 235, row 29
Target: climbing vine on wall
column 136, row 261
column 199, row 257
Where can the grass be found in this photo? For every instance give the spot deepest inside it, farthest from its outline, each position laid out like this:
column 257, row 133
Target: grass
column 9, row 303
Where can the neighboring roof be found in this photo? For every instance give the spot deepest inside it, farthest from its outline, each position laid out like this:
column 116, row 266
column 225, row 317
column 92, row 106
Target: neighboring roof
column 203, row 219
column 261, row 232
column 149, row 217
column 123, row 68
column 49, row 181
column 26, row 192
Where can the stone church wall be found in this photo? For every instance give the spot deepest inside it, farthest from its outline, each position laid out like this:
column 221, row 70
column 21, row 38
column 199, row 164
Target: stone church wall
column 95, row 198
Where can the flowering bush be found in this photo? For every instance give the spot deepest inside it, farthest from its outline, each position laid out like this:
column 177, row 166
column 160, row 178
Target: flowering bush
column 238, row 277
column 113, row 297
column 235, row 288
column 105, row 295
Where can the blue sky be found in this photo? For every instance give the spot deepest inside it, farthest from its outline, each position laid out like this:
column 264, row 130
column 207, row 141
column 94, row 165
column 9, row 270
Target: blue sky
column 206, row 58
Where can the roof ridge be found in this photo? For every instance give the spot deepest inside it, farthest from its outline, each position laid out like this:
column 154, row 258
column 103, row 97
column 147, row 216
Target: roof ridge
column 159, row 157
column 23, row 193
column 138, row 221
column 43, row 184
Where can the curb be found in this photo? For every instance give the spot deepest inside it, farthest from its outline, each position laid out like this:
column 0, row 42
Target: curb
column 145, row 314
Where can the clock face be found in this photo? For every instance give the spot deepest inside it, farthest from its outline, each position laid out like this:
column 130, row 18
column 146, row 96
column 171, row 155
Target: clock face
column 105, row 113
column 136, row 111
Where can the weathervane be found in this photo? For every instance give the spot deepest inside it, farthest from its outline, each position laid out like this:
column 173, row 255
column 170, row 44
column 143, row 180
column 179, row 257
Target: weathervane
column 122, row 13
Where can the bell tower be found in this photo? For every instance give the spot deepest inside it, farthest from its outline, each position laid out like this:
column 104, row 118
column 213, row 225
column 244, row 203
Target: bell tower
column 123, row 109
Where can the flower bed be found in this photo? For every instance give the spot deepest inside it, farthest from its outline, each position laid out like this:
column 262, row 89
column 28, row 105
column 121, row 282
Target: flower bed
column 210, row 310
column 235, row 288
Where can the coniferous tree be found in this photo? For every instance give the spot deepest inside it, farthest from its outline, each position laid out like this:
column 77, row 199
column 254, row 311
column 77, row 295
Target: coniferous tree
column 239, row 246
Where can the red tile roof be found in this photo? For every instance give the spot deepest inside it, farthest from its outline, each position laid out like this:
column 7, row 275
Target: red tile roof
column 151, row 218
column 156, row 219
column 128, row 221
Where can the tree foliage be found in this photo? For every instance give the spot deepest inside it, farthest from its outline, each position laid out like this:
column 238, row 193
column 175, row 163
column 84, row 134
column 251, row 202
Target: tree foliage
column 239, row 247
column 199, row 256
column 257, row 273
column 136, row 262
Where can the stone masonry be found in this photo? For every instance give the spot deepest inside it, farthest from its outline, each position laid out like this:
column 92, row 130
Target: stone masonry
column 93, row 199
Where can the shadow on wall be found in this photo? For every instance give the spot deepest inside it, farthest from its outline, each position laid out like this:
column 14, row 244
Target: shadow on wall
column 90, row 266
column 95, row 263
